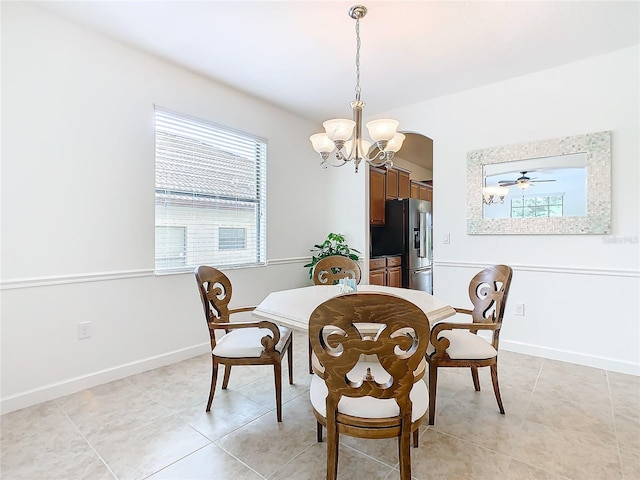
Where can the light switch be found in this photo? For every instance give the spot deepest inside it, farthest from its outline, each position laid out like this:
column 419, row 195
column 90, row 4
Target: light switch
column 446, row 239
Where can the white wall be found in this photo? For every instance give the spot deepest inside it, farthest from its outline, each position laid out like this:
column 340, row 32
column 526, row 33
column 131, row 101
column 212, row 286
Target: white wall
column 78, row 207
column 581, row 292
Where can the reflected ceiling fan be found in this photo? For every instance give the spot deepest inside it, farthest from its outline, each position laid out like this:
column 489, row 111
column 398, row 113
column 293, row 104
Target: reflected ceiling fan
column 522, row 182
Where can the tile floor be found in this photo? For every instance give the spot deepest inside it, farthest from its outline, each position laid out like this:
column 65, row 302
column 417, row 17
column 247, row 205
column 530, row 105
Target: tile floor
column 563, row 421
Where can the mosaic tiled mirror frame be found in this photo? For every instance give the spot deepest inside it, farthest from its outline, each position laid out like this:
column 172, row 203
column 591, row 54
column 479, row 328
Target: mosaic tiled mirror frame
column 597, row 146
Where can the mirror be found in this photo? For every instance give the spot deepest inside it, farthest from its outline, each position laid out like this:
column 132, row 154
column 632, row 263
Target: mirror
column 558, row 186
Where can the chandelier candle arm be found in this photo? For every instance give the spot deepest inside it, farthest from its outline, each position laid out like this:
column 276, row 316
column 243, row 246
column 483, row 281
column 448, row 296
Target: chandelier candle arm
column 343, row 137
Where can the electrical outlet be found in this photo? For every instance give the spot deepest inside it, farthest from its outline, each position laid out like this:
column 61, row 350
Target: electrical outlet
column 84, row 330
column 520, row 309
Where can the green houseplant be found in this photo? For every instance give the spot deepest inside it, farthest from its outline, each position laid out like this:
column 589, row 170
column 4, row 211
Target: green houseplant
column 335, row 244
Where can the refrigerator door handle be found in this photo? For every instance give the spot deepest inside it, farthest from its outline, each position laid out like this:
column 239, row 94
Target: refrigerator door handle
column 423, row 235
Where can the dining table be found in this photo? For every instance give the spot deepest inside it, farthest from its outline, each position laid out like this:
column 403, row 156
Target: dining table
column 294, row 307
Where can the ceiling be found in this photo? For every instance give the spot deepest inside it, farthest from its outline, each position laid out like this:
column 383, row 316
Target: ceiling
column 300, row 55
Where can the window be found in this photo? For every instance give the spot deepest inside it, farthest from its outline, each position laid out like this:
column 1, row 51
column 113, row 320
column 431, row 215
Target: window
column 232, row 238
column 537, row 206
column 210, row 195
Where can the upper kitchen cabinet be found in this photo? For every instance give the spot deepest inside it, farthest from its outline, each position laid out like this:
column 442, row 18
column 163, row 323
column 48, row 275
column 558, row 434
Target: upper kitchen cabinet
column 398, row 183
column 422, row 190
column 377, row 195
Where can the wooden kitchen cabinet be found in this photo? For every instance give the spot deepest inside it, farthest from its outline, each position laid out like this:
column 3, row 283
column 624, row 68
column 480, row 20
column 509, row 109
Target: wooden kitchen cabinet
column 386, row 271
column 398, row 183
column 377, row 178
column 421, row 191
column 392, row 184
column 404, row 184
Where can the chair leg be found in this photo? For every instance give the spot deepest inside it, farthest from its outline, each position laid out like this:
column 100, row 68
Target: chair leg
column 290, row 361
column 416, row 437
column 214, row 379
column 277, row 370
column 404, row 451
column 476, row 380
column 319, row 432
column 333, row 444
column 310, row 363
column 433, row 380
column 496, row 387
column 227, row 374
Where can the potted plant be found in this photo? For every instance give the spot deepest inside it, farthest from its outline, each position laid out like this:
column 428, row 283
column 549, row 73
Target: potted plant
column 335, row 244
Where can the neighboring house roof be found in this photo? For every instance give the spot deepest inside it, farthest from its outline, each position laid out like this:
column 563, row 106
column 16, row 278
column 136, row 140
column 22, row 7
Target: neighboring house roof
column 208, row 171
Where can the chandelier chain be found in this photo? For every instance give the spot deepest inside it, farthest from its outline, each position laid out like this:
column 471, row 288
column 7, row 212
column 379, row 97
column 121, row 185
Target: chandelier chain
column 358, row 58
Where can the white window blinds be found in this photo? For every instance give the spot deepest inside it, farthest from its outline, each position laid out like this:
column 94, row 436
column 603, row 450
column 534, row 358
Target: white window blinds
column 210, row 195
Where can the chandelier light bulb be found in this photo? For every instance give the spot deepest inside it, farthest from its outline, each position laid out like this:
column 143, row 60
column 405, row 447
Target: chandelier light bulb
column 395, row 143
column 322, row 143
column 339, row 129
column 382, row 130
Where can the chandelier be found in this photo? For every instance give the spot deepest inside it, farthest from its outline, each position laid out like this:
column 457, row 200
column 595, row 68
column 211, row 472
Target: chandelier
column 343, row 137
column 494, row 194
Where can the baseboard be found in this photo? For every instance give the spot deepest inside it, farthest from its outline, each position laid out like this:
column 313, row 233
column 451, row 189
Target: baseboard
column 53, row 391
column 571, row 357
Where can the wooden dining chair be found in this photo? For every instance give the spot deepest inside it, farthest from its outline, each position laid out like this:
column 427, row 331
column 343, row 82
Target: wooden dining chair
column 458, row 345
column 241, row 343
column 369, row 387
column 329, row 270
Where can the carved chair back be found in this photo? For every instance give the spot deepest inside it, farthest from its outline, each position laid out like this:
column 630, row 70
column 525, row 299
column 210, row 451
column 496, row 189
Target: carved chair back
column 399, row 346
column 488, row 292
column 215, row 294
column 335, row 267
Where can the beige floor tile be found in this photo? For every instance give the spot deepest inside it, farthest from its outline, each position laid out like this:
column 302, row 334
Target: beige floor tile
column 575, row 455
column 587, row 391
column 513, row 375
column 562, row 369
column 299, row 410
column 37, row 430
column 208, row 463
column 135, row 453
column 482, row 425
column 570, row 416
column 443, row 456
column 311, row 464
column 265, row 444
column 630, row 461
column 384, row 450
column 628, row 430
column 522, row 471
column 519, row 360
column 112, row 406
column 263, row 391
column 56, row 463
column 229, row 411
column 625, row 394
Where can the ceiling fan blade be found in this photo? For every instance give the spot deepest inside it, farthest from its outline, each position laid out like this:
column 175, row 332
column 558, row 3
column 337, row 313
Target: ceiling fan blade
column 539, row 181
column 506, row 183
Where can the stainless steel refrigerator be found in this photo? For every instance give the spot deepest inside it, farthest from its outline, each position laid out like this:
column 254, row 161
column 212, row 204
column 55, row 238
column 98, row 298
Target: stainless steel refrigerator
column 407, row 232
